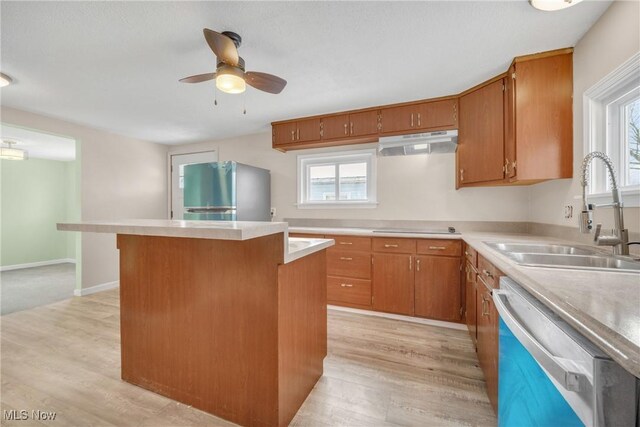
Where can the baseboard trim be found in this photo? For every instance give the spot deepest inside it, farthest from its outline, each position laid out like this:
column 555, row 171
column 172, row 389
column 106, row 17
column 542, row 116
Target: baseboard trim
column 37, row 264
column 95, row 289
column 429, row 322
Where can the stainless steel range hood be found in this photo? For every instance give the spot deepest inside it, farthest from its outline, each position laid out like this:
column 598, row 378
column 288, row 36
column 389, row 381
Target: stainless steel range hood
column 419, row 143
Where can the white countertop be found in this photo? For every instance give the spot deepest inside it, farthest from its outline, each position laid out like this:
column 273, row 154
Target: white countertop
column 603, row 306
column 294, row 248
column 373, row 233
column 298, row 247
column 221, row 230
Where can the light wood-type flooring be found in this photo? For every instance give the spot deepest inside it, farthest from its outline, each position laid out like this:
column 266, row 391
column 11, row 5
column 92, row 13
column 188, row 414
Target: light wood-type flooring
column 65, row 357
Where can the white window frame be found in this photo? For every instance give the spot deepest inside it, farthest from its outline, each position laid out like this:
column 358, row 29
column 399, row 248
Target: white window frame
column 367, row 156
column 601, row 107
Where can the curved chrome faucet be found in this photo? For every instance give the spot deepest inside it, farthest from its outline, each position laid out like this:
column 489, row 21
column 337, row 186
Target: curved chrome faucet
column 620, row 237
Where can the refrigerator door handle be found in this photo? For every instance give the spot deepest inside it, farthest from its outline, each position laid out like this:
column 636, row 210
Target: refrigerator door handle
column 211, row 209
column 556, row 367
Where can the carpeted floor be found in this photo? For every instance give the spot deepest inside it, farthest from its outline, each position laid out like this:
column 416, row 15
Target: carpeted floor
column 33, row 287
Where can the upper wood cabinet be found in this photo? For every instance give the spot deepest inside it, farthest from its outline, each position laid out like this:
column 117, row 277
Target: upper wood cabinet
column 480, row 136
column 536, row 118
column 516, row 128
column 284, row 133
column 432, row 115
column 300, row 131
column 348, row 126
column 539, row 118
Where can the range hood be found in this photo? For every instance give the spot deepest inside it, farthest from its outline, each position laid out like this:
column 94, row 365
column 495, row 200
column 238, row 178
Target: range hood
column 419, row 143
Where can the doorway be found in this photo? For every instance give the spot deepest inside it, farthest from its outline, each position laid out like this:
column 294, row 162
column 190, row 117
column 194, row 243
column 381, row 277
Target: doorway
column 178, row 162
column 39, row 188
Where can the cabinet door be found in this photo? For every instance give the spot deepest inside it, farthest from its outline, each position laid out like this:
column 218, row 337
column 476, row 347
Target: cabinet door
column 510, row 124
column 393, row 283
column 437, row 288
column 335, row 127
column 398, row 119
column 488, row 341
column 438, row 114
column 481, row 135
column 364, row 123
column 470, row 310
column 308, row 130
column 284, row 133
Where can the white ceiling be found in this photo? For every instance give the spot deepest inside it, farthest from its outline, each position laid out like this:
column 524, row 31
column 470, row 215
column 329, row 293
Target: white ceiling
column 39, row 145
column 116, row 65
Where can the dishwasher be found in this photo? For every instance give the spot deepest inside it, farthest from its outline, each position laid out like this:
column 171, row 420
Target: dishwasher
column 551, row 375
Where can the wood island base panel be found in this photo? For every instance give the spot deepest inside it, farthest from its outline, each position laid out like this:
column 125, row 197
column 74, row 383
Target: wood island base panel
column 224, row 326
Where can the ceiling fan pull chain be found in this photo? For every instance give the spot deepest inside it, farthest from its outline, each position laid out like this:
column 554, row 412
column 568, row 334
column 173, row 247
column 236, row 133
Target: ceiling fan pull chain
column 244, row 103
column 215, row 96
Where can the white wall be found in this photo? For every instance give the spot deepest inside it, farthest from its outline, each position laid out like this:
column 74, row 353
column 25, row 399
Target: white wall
column 611, row 41
column 409, row 187
column 120, row 178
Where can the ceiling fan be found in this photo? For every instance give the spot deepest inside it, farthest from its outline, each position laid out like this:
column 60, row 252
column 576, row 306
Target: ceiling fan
column 230, row 75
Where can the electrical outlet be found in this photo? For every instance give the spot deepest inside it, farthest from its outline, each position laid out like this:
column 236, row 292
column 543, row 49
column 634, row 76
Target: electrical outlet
column 568, row 211
column 273, row 212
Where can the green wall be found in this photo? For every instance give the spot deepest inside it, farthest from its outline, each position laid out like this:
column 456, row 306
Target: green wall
column 35, row 195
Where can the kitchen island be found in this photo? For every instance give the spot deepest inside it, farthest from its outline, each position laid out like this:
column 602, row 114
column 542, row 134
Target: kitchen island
column 229, row 317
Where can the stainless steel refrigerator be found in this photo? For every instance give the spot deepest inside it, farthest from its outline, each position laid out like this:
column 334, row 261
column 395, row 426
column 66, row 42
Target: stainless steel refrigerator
column 227, row 191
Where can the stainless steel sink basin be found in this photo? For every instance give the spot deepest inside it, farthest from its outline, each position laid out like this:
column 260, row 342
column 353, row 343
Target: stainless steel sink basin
column 534, row 248
column 564, row 256
column 595, row 262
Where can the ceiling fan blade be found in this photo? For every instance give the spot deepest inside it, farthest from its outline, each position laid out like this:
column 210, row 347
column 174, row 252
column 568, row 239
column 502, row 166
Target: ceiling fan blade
column 222, row 46
column 199, row 78
column 266, row 82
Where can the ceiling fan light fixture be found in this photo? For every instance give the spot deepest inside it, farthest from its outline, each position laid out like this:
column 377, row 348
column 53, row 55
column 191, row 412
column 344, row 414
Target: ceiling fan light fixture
column 5, row 80
column 552, row 5
column 10, row 153
column 230, row 80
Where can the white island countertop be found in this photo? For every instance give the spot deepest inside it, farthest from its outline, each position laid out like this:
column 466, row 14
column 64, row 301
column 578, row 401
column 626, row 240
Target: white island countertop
column 294, row 248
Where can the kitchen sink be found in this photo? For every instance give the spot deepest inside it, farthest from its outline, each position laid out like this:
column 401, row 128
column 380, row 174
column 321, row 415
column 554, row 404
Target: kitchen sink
column 596, row 262
column 565, row 256
column 532, row 248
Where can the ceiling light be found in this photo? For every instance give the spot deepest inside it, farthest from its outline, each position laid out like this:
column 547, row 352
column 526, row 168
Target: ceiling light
column 5, row 80
column 229, row 79
column 551, row 5
column 10, row 153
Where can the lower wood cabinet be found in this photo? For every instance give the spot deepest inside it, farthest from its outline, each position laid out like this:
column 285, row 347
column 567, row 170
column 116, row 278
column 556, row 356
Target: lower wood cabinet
column 356, row 292
column 393, row 289
column 487, row 319
column 437, row 288
column 471, row 290
column 414, row 277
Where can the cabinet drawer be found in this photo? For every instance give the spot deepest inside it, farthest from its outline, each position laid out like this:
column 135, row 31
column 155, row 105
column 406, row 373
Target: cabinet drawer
column 392, row 244
column 439, row 247
column 489, row 274
column 349, row 264
column 350, row 291
column 351, row 243
column 471, row 255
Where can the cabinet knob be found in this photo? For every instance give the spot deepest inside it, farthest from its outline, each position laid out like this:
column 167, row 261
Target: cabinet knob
column 345, row 129
column 346, row 285
column 418, row 264
column 344, row 258
column 390, row 246
column 437, row 248
column 345, row 243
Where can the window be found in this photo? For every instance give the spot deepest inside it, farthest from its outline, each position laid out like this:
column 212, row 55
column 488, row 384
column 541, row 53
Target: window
column 337, row 179
column 612, row 125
